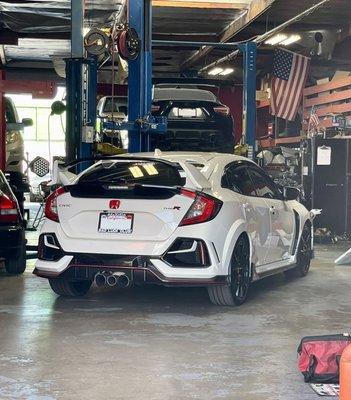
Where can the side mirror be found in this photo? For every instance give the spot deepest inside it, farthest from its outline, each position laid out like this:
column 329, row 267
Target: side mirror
column 291, row 193
column 27, row 122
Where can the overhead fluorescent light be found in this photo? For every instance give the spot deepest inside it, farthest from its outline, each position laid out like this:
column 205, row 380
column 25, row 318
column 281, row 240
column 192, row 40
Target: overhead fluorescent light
column 218, row 71
column 215, row 71
column 227, row 71
column 277, row 39
column 283, row 39
column 290, row 40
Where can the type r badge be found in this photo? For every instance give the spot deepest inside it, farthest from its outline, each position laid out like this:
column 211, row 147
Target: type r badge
column 115, row 204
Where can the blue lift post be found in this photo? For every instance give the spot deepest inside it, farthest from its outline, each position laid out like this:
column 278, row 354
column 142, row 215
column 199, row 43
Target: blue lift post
column 81, row 87
column 249, row 97
column 140, row 72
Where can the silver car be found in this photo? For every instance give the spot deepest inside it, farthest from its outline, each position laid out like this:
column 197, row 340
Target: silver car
column 14, row 139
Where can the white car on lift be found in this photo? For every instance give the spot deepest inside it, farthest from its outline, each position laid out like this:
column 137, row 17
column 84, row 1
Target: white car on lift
column 188, row 219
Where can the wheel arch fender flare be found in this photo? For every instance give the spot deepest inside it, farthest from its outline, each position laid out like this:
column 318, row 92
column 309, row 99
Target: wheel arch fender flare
column 237, row 229
column 305, row 218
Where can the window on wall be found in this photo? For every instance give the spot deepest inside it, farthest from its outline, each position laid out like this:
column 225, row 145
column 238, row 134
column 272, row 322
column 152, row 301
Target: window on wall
column 41, row 124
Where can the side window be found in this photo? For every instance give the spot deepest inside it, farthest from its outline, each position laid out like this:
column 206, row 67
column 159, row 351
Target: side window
column 263, row 184
column 237, row 179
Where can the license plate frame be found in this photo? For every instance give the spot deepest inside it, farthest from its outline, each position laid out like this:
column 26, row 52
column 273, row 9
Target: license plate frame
column 108, row 218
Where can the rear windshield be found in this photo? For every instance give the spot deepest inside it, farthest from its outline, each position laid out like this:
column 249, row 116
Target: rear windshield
column 134, row 172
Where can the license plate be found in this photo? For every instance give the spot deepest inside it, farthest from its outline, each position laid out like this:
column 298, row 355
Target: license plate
column 116, row 223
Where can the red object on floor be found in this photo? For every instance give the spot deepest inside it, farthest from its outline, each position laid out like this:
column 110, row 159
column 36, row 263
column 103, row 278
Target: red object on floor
column 319, row 357
column 345, row 374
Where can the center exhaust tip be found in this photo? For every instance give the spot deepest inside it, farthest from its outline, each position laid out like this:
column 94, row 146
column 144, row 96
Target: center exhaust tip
column 112, row 280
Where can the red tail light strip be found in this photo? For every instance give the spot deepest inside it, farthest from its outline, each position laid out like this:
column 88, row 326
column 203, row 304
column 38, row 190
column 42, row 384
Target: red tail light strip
column 8, row 209
column 51, row 204
column 203, row 209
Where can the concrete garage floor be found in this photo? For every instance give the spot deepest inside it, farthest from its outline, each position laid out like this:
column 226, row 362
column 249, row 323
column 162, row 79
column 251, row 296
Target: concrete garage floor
column 157, row 344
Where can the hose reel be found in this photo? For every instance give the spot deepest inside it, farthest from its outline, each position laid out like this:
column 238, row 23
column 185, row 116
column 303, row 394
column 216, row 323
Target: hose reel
column 128, row 44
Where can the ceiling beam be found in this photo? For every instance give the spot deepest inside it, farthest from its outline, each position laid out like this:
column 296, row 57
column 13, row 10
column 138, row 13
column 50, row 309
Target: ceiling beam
column 219, row 4
column 255, row 9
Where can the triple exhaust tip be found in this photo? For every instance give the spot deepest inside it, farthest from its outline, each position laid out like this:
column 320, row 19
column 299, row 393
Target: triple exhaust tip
column 118, row 279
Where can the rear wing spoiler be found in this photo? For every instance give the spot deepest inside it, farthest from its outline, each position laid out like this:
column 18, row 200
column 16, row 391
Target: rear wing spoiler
column 62, row 176
column 195, row 176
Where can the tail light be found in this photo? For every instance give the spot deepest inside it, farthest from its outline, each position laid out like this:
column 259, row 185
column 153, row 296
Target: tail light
column 51, row 204
column 203, row 209
column 8, row 209
column 222, row 110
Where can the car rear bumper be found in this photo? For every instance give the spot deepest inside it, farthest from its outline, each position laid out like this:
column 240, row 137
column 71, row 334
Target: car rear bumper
column 142, row 275
column 178, row 139
column 140, row 270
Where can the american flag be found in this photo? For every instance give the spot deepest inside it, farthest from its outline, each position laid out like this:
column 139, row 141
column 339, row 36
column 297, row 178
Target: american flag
column 314, row 119
column 288, row 81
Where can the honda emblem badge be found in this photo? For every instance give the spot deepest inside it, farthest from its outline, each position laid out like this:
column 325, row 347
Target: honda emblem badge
column 114, row 204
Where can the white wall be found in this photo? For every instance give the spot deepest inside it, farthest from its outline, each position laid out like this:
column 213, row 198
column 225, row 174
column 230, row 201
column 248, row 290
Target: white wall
column 36, row 138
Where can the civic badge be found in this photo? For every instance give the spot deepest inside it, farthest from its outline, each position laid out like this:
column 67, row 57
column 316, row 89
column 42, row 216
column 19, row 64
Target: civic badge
column 115, row 204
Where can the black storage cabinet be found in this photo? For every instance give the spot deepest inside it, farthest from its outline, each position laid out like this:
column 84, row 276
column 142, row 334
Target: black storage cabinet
column 332, row 186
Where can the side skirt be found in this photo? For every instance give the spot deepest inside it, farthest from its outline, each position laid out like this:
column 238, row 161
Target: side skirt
column 274, row 268
column 275, row 271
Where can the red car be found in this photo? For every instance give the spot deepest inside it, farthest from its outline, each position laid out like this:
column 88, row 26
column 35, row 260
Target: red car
column 12, row 230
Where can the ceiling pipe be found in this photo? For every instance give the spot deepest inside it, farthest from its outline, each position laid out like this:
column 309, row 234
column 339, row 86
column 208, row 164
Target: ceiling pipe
column 268, row 34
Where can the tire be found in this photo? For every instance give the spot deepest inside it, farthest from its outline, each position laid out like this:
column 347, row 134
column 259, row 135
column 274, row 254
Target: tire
column 236, row 293
column 66, row 288
column 15, row 264
column 304, row 255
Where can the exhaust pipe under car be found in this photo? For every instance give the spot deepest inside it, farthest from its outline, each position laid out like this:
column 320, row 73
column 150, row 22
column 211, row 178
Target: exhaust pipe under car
column 100, row 279
column 112, row 280
column 119, row 279
column 123, row 281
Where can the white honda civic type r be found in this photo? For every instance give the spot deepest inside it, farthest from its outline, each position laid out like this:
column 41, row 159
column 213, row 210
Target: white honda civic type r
column 173, row 219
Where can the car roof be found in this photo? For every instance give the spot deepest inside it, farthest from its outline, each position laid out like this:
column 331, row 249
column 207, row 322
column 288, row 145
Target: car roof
column 163, row 94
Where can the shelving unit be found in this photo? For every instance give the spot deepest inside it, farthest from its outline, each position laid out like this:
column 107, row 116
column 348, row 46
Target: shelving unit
column 333, row 97
column 263, row 117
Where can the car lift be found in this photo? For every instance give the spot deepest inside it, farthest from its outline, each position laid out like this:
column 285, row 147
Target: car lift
column 81, row 80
